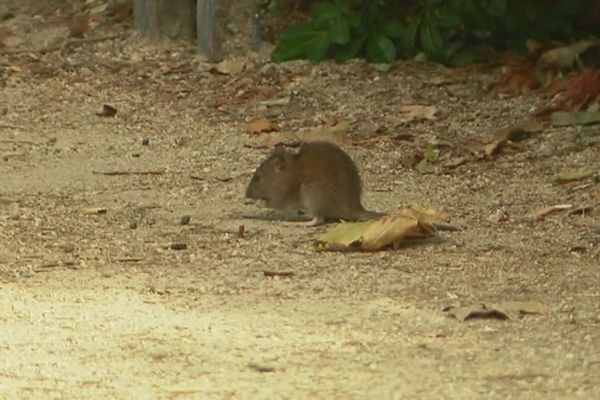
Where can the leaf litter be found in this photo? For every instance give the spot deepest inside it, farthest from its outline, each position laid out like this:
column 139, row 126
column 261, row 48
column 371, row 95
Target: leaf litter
column 409, row 223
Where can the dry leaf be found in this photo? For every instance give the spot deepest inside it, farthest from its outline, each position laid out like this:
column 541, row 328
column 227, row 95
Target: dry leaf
column 560, row 85
column 504, row 310
column 414, row 222
column 261, row 125
column 78, row 28
column 582, row 91
column 119, row 10
column 283, row 101
column 566, row 56
column 519, row 81
column 548, row 210
column 229, row 67
column 576, row 175
column 416, row 112
column 514, row 133
column 97, row 9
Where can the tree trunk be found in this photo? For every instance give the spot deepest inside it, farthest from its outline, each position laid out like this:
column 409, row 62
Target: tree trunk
column 159, row 19
column 202, row 22
column 209, row 36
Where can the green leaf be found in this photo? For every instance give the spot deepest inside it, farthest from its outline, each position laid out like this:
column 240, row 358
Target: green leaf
column 432, row 41
column 448, row 18
column 431, row 153
column 463, row 57
column 351, row 49
column 408, row 38
column 393, row 28
column 382, row 67
column 302, row 43
column 424, row 168
column 497, row 7
column 380, row 49
column 340, row 31
column 354, row 19
column 318, row 52
column 568, row 8
column 323, row 13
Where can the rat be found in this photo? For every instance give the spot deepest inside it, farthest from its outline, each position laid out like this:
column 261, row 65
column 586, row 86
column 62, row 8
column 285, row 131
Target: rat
column 320, row 179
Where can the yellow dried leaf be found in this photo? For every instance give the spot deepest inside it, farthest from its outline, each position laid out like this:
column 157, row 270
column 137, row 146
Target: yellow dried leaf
column 413, row 222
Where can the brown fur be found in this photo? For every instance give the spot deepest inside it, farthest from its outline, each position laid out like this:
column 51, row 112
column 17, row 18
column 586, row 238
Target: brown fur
column 321, row 179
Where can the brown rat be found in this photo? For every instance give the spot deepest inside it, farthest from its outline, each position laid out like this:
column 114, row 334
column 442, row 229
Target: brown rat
column 320, row 179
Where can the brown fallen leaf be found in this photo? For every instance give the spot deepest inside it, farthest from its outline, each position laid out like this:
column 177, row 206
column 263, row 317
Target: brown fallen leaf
column 119, row 10
column 540, row 214
column 520, row 80
column 513, row 133
column 261, row 125
column 557, row 86
column 584, row 90
column 78, row 27
column 504, row 310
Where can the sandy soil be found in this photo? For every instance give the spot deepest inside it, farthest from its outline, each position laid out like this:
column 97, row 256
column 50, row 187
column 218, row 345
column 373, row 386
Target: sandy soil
column 95, row 305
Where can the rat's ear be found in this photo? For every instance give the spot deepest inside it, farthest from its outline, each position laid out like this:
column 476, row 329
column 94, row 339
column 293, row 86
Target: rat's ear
column 279, row 149
column 280, row 157
column 279, row 160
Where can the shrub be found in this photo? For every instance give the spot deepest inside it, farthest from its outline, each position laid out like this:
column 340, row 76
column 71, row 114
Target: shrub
column 436, row 30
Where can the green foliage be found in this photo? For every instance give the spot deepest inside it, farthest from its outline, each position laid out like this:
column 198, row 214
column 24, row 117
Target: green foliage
column 437, row 30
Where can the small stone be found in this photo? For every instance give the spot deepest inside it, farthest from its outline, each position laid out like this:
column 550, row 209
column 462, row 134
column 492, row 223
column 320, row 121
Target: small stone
column 133, row 224
column 49, row 264
column 67, row 247
column 145, row 142
column 185, row 220
column 177, row 246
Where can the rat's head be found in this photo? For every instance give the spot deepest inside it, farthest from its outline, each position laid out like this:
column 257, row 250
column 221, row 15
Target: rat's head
column 274, row 178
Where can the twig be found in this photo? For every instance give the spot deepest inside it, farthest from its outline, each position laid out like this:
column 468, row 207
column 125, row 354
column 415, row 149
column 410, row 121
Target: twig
column 130, row 259
column 442, row 226
column 278, row 273
column 20, row 142
column 113, row 173
column 62, row 46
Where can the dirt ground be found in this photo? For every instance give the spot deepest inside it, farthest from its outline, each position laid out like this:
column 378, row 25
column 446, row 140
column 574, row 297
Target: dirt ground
column 96, row 305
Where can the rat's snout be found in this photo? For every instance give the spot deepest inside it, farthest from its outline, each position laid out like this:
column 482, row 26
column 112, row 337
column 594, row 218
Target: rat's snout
column 252, row 197
column 251, row 193
column 261, row 203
